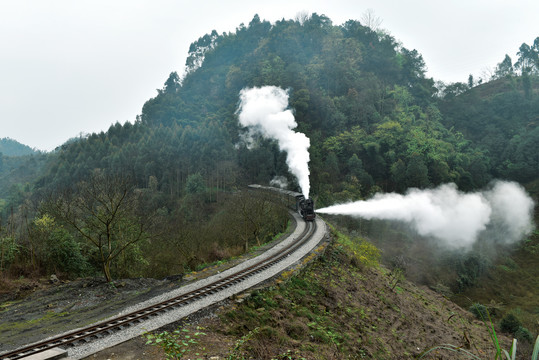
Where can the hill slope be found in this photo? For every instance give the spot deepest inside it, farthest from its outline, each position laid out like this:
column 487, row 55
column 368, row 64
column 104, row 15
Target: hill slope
column 502, row 119
column 374, row 125
column 343, row 305
column 361, row 98
column 10, row 147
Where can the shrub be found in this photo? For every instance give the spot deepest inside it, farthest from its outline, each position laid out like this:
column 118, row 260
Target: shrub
column 480, row 311
column 510, row 324
column 469, row 269
column 175, row 344
column 8, row 250
column 63, row 253
column 523, row 334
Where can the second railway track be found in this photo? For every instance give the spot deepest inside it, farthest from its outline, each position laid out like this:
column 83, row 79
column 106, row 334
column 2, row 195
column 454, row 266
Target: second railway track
column 190, row 298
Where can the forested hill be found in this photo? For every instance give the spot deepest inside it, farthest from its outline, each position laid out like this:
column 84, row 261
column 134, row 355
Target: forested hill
column 19, row 167
column 10, row 147
column 158, row 197
column 362, row 98
column 161, row 190
column 501, row 117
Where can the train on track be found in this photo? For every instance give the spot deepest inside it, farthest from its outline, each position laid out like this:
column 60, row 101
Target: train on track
column 294, row 200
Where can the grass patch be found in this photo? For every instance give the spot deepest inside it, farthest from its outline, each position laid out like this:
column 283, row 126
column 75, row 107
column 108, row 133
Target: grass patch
column 22, row 326
column 362, row 251
column 343, row 304
column 306, row 313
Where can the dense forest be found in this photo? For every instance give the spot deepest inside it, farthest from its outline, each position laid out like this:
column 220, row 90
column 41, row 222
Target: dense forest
column 117, row 201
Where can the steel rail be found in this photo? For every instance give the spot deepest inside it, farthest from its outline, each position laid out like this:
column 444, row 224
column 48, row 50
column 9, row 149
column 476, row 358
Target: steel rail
column 120, row 322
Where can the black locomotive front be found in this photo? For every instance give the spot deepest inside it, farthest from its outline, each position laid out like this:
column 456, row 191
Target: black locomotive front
column 305, row 208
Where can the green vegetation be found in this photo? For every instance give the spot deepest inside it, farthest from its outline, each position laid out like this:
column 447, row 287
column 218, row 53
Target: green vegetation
column 163, row 195
column 310, row 323
column 373, row 118
column 510, row 324
column 342, row 305
column 176, row 344
column 10, row 147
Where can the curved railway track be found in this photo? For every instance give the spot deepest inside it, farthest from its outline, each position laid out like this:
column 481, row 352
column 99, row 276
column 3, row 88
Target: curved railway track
column 111, row 326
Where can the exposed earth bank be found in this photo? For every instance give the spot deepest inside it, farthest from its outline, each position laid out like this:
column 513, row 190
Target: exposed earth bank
column 343, row 305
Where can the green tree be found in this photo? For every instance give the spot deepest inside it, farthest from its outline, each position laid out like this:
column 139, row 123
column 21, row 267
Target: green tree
column 355, row 168
column 172, row 85
column 439, row 172
column 504, row 68
column 331, row 166
column 195, row 184
column 470, row 81
column 8, row 251
column 355, row 165
column 526, row 84
column 398, row 175
column 417, row 172
column 63, row 253
column 528, row 58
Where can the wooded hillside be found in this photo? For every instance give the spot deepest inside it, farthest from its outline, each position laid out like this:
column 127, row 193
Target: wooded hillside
column 375, row 121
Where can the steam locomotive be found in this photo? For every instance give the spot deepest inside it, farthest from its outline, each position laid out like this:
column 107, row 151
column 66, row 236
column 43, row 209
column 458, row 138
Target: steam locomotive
column 294, row 200
column 305, row 207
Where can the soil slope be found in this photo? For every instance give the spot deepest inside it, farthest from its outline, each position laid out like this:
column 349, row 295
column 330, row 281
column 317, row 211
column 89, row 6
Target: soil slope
column 343, row 305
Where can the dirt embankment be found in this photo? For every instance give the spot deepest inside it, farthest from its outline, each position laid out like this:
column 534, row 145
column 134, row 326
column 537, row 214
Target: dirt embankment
column 336, row 308
column 38, row 309
column 32, row 310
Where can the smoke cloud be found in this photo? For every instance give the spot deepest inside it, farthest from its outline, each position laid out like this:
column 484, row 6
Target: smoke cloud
column 265, row 111
column 279, row 181
column 503, row 213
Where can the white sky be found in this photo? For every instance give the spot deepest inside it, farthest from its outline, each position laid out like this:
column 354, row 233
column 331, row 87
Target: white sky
column 72, row 66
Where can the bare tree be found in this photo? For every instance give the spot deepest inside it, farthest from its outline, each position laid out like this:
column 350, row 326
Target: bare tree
column 487, row 74
column 302, row 17
column 370, row 20
column 105, row 210
column 254, row 212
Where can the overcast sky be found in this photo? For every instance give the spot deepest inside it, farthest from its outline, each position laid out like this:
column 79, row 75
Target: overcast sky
column 77, row 66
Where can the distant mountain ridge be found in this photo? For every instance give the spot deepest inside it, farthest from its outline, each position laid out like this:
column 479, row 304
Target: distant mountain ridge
column 10, row 147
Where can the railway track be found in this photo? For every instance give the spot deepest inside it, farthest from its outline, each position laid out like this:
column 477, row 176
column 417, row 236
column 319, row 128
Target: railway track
column 112, row 326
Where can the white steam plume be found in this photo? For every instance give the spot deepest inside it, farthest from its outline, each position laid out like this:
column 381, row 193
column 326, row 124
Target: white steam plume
column 264, row 110
column 279, row 181
column 456, row 218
